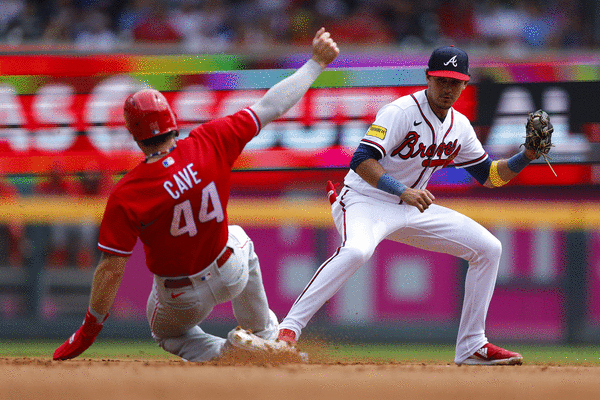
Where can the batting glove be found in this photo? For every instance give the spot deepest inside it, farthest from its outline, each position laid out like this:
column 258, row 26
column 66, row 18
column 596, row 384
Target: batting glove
column 80, row 340
column 331, row 192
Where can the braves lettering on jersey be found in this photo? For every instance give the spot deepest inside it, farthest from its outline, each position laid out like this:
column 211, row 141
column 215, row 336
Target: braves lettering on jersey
column 177, row 207
column 414, row 143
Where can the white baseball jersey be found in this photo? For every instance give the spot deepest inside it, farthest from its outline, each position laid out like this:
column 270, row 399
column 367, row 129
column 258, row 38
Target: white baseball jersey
column 414, row 143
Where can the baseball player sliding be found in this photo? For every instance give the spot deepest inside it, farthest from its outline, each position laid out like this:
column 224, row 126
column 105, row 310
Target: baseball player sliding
column 385, row 197
column 175, row 202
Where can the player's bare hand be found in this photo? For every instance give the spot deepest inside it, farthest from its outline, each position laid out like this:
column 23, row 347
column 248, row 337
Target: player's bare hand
column 325, row 50
column 420, row 198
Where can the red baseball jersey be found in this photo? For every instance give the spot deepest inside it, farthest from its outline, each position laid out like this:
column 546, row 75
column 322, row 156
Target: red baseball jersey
column 178, row 205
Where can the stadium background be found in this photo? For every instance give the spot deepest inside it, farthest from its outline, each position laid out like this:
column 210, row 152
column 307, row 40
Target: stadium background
column 63, row 144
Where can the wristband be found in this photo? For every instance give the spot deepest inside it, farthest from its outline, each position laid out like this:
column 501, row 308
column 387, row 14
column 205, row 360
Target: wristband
column 517, row 162
column 495, row 177
column 100, row 318
column 390, row 185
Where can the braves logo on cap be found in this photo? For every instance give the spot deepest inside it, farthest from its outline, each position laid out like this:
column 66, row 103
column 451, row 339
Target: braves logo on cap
column 449, row 62
column 452, row 61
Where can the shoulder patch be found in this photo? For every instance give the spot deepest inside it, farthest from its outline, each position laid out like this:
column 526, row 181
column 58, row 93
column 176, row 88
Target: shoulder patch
column 377, row 131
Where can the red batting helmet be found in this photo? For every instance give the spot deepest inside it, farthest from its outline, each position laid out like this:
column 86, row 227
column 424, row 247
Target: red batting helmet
column 148, row 114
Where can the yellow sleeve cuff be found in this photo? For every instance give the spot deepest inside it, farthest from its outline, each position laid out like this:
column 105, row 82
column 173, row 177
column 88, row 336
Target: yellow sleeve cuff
column 495, row 177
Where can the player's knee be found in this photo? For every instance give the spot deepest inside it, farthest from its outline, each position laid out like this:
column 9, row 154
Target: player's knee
column 492, row 251
column 356, row 256
column 494, row 248
column 487, row 250
column 169, row 345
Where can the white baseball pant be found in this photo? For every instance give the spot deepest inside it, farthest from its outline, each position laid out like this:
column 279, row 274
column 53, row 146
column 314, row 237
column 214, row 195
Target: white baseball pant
column 174, row 313
column 363, row 222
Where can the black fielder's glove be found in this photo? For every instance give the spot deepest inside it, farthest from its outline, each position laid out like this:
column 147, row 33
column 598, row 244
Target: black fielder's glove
column 538, row 135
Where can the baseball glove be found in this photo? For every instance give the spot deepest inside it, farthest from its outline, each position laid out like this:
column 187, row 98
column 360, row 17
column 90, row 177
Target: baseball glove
column 538, row 135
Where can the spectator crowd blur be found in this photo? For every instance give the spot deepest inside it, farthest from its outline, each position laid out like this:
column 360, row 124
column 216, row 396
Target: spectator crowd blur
column 246, row 25
column 73, row 244
column 64, row 243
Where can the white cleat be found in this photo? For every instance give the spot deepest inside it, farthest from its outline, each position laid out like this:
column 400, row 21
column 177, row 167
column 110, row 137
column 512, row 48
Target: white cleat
column 246, row 340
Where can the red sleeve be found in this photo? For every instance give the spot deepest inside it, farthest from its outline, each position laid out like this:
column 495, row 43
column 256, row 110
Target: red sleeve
column 230, row 134
column 118, row 233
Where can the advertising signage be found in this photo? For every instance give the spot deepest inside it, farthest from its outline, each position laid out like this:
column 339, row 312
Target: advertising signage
column 70, row 109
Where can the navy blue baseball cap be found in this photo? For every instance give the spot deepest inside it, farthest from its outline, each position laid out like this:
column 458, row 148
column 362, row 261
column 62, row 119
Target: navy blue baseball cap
column 449, row 62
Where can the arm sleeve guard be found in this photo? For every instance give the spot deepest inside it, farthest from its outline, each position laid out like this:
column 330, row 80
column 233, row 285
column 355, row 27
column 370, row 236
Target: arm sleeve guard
column 284, row 94
column 362, row 153
column 480, row 171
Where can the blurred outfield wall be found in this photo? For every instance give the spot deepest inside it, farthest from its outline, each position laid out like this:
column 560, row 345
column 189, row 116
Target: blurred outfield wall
column 69, row 109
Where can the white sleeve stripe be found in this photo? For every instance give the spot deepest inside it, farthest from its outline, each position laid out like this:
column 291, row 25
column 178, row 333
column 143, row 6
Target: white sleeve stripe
column 255, row 118
column 114, row 250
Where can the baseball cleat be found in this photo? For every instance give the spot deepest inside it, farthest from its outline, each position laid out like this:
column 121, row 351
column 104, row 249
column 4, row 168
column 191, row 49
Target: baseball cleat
column 287, row 336
column 246, row 340
column 490, row 354
column 261, row 349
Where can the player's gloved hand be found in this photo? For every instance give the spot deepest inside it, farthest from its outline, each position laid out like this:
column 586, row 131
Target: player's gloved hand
column 538, row 136
column 80, row 340
column 420, row 198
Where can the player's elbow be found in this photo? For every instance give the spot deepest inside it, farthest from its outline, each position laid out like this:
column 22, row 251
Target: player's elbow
column 267, row 111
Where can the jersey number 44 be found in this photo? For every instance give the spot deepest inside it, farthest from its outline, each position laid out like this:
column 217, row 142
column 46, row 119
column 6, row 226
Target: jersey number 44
column 183, row 217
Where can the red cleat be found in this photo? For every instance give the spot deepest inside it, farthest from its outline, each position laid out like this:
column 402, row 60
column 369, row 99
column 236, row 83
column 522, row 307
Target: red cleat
column 287, row 335
column 493, row 355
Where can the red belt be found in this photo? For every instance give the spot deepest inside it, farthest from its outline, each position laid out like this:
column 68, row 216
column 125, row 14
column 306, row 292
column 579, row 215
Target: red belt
column 181, row 282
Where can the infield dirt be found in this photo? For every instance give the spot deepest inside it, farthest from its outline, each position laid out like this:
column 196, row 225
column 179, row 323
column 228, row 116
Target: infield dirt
column 37, row 378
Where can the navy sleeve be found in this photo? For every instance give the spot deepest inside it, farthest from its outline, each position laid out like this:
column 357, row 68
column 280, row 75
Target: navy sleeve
column 362, row 153
column 480, row 171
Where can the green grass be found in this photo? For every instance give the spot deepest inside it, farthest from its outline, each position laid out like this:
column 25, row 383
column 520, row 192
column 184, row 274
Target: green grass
column 426, row 353
column 444, row 354
column 100, row 349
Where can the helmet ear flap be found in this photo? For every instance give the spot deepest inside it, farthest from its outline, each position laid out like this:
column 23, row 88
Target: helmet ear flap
column 148, row 114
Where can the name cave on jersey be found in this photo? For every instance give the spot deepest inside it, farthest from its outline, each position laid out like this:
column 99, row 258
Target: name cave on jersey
column 184, row 180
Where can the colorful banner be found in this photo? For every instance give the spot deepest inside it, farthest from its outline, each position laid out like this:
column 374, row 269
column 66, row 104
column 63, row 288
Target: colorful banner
column 67, row 110
column 60, row 124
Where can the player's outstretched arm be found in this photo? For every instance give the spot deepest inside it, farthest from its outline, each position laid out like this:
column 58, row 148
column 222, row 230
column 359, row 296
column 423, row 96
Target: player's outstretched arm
column 289, row 91
column 538, row 142
column 107, row 279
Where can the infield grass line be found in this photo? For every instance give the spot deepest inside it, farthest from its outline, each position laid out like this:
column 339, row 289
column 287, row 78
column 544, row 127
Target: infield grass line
column 326, row 352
